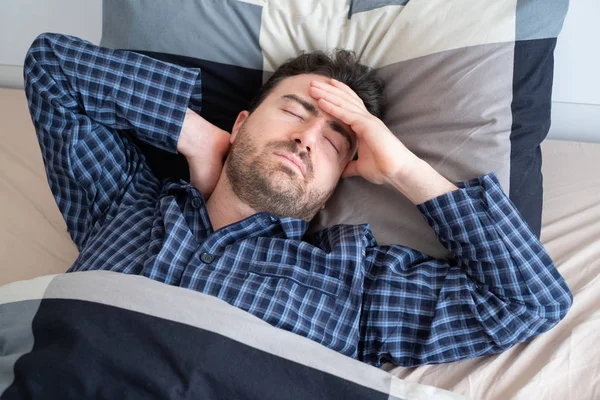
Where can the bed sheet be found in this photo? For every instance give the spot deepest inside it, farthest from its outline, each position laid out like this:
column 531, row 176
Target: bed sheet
column 33, row 235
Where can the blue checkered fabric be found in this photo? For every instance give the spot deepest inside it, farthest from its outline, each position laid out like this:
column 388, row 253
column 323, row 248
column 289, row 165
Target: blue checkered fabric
column 337, row 286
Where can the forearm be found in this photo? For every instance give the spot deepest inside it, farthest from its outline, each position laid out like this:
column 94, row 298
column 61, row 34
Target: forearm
column 118, row 89
column 501, row 288
column 419, row 182
column 196, row 132
column 195, row 135
column 495, row 247
column 205, row 147
column 487, row 235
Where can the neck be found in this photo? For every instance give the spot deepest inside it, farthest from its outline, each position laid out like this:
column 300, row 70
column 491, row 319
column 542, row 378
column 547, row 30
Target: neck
column 224, row 207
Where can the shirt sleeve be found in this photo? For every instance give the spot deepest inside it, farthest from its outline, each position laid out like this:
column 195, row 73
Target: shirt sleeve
column 79, row 96
column 501, row 288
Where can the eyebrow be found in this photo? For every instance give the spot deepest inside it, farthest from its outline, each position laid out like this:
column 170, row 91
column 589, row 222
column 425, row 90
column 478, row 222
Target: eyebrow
column 313, row 111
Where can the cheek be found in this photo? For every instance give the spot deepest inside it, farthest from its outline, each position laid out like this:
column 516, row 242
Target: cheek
column 327, row 172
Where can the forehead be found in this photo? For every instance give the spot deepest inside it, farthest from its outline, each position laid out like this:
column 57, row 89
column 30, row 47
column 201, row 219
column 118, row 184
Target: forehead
column 298, row 84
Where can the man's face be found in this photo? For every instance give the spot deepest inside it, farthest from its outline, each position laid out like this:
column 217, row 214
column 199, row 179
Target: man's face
column 288, row 155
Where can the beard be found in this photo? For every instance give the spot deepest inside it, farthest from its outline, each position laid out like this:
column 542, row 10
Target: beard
column 263, row 182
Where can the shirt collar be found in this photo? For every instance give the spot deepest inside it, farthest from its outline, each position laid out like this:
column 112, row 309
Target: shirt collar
column 293, row 228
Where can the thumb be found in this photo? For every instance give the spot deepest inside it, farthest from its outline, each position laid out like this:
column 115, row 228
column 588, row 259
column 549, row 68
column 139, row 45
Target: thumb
column 351, row 170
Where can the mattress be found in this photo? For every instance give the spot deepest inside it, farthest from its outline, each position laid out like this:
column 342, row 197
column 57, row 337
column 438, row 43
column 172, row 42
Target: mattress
column 33, row 236
column 562, row 363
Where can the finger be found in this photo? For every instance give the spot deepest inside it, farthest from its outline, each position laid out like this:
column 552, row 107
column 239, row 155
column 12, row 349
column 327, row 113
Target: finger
column 354, row 99
column 364, row 124
column 347, row 89
column 343, row 114
column 351, row 170
column 344, row 102
column 341, row 93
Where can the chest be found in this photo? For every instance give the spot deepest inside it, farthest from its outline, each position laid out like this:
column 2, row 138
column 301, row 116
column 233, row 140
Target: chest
column 292, row 284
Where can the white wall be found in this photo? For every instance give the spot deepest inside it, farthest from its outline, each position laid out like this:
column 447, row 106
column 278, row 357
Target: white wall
column 22, row 20
column 577, row 54
column 576, row 90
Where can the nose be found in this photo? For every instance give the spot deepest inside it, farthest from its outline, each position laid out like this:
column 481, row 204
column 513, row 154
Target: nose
column 308, row 136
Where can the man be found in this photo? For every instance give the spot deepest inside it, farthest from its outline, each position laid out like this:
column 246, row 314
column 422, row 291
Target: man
column 238, row 231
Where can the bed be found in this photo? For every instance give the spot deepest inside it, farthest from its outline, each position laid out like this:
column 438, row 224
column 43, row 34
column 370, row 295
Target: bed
column 148, row 339
column 562, row 363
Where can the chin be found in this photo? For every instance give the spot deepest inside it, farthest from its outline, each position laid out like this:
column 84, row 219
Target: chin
column 283, row 183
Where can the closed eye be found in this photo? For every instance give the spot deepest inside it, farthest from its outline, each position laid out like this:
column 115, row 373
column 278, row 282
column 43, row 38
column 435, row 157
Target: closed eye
column 333, row 145
column 302, row 119
column 291, row 113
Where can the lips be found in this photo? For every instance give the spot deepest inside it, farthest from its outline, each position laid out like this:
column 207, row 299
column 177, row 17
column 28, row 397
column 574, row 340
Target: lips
column 293, row 159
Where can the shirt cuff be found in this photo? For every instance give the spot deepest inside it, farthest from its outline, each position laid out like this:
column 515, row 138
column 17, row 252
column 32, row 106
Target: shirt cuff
column 178, row 95
column 476, row 205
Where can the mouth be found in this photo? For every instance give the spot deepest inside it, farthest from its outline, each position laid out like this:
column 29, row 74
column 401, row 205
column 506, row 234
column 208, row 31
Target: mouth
column 293, row 161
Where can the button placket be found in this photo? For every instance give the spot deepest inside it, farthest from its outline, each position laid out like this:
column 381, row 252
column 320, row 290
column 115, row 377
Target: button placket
column 196, row 202
column 207, row 258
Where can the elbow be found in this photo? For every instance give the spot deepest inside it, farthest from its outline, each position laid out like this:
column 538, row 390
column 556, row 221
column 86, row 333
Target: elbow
column 31, row 59
column 564, row 305
column 530, row 322
column 37, row 50
column 562, row 300
column 36, row 70
column 551, row 314
column 536, row 320
column 555, row 301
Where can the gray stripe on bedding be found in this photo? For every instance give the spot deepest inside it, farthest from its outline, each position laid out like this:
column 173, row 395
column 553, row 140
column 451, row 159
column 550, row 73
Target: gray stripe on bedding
column 232, row 26
column 457, row 103
column 357, row 6
column 540, row 19
column 16, row 336
column 146, row 296
column 454, row 111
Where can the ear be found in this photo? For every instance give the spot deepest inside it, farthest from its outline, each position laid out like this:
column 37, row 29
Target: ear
column 239, row 121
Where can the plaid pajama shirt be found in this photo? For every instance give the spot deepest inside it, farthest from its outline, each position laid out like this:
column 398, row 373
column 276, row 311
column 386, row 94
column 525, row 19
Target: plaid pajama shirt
column 337, row 286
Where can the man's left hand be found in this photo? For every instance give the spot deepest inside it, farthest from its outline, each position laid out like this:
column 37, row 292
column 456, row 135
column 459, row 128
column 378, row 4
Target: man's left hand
column 382, row 158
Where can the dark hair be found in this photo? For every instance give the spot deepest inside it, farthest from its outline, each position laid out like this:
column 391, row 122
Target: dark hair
column 342, row 65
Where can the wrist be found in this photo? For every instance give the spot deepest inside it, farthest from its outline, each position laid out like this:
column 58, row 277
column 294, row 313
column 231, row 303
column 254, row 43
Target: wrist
column 186, row 140
column 408, row 170
column 197, row 135
column 420, row 182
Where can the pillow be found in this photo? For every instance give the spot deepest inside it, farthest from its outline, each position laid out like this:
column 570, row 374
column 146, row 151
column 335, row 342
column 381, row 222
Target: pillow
column 468, row 84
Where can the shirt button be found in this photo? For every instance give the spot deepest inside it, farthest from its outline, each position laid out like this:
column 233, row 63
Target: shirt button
column 207, row 258
column 196, row 202
column 273, row 219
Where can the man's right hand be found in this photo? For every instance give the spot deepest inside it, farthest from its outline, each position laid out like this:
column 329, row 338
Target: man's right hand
column 205, row 147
